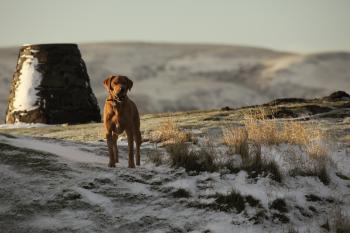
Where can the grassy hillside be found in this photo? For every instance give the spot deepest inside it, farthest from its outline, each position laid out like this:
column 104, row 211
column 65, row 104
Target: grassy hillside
column 326, row 112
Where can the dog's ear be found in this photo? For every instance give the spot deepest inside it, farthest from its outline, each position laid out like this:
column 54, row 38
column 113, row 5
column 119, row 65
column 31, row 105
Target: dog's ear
column 107, row 82
column 129, row 83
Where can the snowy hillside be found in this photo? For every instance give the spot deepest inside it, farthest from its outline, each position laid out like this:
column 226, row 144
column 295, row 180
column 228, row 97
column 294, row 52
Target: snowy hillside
column 177, row 77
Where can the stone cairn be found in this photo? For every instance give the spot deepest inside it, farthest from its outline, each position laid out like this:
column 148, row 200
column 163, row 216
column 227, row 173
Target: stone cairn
column 51, row 86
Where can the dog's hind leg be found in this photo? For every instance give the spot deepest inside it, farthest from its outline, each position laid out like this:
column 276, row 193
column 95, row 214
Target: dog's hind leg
column 138, row 141
column 131, row 148
column 115, row 147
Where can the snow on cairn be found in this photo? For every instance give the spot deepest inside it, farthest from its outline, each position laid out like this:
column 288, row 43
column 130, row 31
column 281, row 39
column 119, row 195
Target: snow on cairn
column 30, row 78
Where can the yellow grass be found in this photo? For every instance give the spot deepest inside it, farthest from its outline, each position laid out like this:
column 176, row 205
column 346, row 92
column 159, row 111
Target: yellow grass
column 237, row 138
column 258, row 129
column 316, row 151
column 169, row 133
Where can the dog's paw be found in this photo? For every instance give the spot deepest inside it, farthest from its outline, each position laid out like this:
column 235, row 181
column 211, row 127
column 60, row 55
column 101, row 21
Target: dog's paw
column 111, row 165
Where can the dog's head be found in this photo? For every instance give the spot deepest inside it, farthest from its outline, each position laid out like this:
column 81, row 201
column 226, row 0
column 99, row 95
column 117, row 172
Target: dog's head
column 117, row 86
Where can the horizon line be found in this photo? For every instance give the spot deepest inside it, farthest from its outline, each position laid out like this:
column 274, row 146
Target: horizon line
column 163, row 42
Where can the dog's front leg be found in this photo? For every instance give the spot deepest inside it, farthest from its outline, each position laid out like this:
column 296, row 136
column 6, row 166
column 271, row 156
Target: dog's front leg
column 110, row 149
column 138, row 142
column 131, row 148
column 115, row 147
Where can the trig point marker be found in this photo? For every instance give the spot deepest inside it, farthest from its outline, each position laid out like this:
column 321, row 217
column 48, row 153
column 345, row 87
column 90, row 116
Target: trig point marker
column 51, row 85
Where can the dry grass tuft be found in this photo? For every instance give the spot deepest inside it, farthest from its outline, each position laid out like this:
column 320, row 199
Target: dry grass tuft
column 316, row 167
column 315, row 147
column 316, row 151
column 181, row 193
column 180, row 155
column 155, row 157
column 259, row 129
column 233, row 202
column 252, row 161
column 230, row 201
column 169, row 133
column 255, row 165
column 341, row 221
column 343, row 226
column 291, row 229
column 263, row 130
column 237, row 138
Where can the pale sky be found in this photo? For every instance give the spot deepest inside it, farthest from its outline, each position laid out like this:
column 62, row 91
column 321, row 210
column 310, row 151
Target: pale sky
column 293, row 25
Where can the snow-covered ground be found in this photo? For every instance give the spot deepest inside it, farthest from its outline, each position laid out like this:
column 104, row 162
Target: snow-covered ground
column 22, row 125
column 50, row 185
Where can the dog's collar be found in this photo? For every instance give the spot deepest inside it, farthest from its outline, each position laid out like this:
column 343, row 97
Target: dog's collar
column 116, row 102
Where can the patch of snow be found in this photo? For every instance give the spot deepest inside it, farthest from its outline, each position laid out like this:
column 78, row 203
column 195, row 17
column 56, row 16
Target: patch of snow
column 4, row 207
column 64, row 219
column 222, row 223
column 8, row 170
column 122, row 141
column 341, row 157
column 189, row 184
column 138, row 188
column 97, row 199
column 67, row 152
column 25, row 97
column 20, row 125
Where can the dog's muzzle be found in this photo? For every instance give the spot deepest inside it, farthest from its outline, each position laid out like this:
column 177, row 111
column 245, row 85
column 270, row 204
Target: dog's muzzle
column 119, row 98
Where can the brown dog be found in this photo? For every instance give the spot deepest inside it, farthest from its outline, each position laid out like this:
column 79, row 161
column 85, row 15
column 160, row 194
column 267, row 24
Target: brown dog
column 120, row 114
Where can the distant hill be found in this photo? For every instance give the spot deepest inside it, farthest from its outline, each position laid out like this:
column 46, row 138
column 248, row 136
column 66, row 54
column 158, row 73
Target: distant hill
column 169, row 77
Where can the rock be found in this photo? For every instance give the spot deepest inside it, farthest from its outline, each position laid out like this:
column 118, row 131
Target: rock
column 283, row 113
column 226, row 108
column 316, row 109
column 51, row 85
column 286, row 101
column 338, row 95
